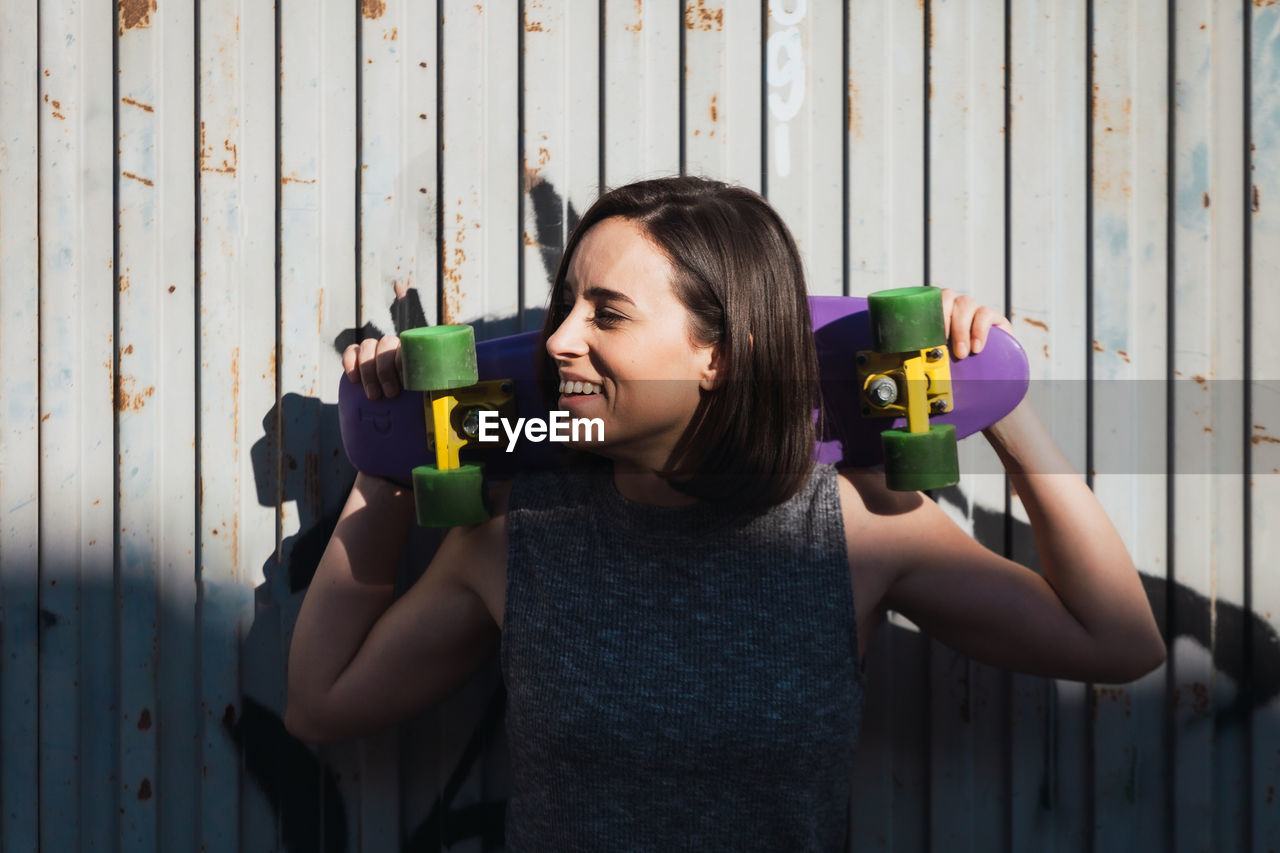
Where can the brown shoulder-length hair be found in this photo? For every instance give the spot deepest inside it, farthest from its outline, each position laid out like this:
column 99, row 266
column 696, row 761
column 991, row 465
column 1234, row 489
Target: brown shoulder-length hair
column 737, row 270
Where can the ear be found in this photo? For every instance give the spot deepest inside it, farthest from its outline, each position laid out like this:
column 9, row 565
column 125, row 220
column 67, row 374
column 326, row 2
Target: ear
column 713, row 372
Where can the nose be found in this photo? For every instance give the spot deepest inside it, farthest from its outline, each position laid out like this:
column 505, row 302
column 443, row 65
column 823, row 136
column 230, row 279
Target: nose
column 568, row 341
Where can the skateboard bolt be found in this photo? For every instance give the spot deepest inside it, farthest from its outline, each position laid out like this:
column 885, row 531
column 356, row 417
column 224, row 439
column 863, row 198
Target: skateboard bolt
column 471, row 423
column 505, row 387
column 934, row 354
column 882, row 391
column 938, row 406
column 861, row 359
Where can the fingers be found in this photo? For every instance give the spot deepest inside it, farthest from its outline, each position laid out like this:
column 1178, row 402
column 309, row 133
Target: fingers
column 375, row 364
column 968, row 323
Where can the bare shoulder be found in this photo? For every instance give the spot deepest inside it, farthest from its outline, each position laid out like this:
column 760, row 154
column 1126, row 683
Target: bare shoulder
column 477, row 555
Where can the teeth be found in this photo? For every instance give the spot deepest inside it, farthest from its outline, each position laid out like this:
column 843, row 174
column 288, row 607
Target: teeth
column 568, row 386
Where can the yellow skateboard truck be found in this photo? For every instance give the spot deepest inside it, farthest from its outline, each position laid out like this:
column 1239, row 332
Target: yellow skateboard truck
column 440, row 361
column 908, row 374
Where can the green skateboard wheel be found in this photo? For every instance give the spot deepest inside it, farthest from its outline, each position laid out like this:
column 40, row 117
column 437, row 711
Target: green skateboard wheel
column 437, row 358
column 906, row 319
column 451, row 498
column 921, row 460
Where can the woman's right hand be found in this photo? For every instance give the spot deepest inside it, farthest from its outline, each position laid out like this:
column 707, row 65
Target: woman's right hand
column 375, row 364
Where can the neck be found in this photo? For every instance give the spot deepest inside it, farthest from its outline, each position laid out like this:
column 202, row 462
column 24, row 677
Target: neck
column 642, row 484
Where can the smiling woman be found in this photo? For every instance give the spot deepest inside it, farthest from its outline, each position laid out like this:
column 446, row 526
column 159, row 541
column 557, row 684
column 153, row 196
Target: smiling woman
column 683, row 619
column 684, row 300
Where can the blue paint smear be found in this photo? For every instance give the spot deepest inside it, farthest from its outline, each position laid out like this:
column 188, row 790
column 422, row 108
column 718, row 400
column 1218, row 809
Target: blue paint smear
column 1191, row 190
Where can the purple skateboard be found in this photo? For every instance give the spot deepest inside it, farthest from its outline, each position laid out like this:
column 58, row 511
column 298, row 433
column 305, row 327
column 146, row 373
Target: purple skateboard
column 387, row 437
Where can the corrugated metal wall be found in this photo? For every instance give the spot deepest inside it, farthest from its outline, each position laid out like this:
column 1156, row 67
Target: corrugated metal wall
column 201, row 203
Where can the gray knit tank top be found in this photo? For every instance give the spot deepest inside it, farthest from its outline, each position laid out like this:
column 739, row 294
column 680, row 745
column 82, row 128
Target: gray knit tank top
column 677, row 678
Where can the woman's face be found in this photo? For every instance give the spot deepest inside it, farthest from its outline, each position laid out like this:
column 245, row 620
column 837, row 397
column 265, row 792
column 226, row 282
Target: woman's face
column 626, row 335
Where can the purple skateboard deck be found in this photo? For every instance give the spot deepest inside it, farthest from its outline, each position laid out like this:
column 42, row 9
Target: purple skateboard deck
column 387, row 437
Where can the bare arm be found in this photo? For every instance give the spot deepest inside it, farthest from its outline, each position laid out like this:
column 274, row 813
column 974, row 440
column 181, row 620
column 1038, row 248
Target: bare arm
column 1086, row 617
column 359, row 658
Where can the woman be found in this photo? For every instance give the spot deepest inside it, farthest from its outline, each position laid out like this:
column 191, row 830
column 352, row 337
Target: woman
column 682, row 624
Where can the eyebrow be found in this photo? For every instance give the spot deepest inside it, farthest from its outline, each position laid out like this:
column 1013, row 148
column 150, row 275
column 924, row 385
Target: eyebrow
column 596, row 292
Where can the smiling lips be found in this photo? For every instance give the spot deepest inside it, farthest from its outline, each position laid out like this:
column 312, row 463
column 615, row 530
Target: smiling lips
column 570, row 386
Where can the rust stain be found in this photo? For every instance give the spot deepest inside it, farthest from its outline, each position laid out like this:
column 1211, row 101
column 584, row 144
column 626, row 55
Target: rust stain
column 853, row 106
column 123, row 284
column 372, row 9
column 144, row 790
column 1205, row 199
column 294, row 179
column 135, row 14
column 1046, row 350
column 46, row 417
column 532, row 177
column 131, row 102
column 144, row 721
column 226, row 167
column 57, row 107
column 1039, row 324
column 235, row 398
column 715, row 116
column 1200, row 380
column 699, row 17
column 530, row 241
column 532, row 26
column 128, row 399
column 392, row 34
column 1262, row 4
column 172, row 288
column 1098, row 347
column 1257, row 199
column 1123, row 355
column 131, row 176
column 128, row 350
column 1269, row 439
column 639, row 24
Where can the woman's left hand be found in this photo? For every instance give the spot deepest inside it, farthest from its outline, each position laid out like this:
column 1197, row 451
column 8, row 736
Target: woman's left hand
column 967, row 323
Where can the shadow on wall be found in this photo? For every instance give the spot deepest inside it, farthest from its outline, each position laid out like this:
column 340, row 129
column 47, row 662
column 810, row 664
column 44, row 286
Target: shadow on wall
column 295, row 780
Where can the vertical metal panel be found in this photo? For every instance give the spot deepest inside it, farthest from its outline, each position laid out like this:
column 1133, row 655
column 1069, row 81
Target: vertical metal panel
column 804, row 170
column 1129, row 342
column 1263, row 424
column 238, row 325
column 77, row 644
column 398, row 151
column 155, row 351
column 20, row 110
column 479, row 196
column 885, row 242
column 1206, row 426
column 722, row 90
column 561, row 143
column 642, row 79
column 966, row 226
column 1048, row 181
column 316, row 302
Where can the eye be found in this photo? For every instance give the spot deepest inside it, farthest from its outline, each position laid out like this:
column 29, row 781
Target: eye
column 603, row 318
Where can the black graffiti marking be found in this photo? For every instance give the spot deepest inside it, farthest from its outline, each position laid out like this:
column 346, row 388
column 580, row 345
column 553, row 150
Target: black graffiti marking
column 293, row 780
column 1244, row 646
column 446, row 826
